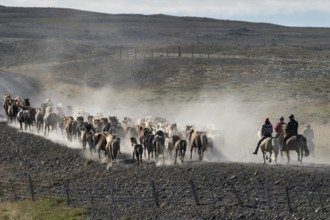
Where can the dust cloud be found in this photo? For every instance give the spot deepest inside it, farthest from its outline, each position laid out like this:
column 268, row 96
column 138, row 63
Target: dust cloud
column 232, row 123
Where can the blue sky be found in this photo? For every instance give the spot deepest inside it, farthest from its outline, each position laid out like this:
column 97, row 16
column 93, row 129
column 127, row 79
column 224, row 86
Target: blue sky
column 311, row 13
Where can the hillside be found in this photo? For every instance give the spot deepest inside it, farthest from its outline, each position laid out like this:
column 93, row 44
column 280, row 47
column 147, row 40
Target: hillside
column 178, row 59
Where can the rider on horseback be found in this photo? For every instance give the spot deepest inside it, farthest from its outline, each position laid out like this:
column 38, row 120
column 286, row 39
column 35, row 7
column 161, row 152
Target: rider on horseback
column 291, row 130
column 266, row 131
column 279, row 126
column 309, row 133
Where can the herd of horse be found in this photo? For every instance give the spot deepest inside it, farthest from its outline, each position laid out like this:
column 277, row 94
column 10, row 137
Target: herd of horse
column 149, row 137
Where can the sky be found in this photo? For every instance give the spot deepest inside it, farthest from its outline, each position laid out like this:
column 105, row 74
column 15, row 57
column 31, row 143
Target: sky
column 302, row 13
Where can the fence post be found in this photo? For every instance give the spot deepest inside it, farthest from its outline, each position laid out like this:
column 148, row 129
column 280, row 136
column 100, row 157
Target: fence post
column 31, row 188
column 13, row 188
column 288, row 199
column 179, row 51
column 91, row 193
column 194, row 192
column 50, row 189
column 67, row 192
column 321, row 202
column 236, row 194
column 309, row 200
column 154, row 193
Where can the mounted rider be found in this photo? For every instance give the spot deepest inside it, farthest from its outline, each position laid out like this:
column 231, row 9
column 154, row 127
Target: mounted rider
column 266, row 131
column 278, row 128
column 290, row 130
column 49, row 103
column 309, row 135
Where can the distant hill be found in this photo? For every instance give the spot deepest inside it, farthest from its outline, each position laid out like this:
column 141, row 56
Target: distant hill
column 134, row 30
column 168, row 58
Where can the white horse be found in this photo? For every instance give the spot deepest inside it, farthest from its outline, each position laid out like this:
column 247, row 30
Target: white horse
column 269, row 145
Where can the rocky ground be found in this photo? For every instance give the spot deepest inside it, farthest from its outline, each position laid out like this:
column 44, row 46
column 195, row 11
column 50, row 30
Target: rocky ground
column 124, row 191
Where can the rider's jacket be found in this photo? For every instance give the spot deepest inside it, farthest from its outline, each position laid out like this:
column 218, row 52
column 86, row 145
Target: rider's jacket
column 267, row 129
column 279, row 126
column 292, row 127
column 309, row 134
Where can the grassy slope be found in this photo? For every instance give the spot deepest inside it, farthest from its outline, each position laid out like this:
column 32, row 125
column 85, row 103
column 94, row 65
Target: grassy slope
column 40, row 209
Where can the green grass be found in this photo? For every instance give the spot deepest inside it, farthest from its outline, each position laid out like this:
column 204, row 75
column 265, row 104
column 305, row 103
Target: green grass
column 40, row 209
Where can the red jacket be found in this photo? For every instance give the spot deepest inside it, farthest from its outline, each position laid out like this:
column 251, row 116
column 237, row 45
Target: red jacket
column 278, row 127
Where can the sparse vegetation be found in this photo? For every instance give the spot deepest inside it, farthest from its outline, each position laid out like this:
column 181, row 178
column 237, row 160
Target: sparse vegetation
column 40, row 209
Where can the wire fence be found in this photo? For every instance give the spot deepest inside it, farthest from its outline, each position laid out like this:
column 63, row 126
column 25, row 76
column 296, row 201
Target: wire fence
column 154, row 197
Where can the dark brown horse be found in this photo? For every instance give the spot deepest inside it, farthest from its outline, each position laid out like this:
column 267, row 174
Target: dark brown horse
column 145, row 137
column 159, row 144
column 180, row 149
column 138, row 150
column 296, row 143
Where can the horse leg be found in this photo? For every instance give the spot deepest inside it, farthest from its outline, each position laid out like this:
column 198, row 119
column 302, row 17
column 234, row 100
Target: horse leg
column 288, row 155
column 264, row 157
column 175, row 156
column 301, row 153
column 270, row 157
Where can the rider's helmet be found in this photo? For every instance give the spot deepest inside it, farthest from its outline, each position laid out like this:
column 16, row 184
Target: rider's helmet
column 291, row 116
column 308, row 125
column 281, row 118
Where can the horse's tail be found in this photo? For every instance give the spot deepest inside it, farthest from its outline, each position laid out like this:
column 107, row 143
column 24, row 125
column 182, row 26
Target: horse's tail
column 304, row 147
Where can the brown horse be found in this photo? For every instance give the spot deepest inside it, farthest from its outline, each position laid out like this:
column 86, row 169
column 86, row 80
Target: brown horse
column 180, row 150
column 296, row 143
column 138, row 150
column 68, row 124
column 112, row 148
column 145, row 136
column 197, row 140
